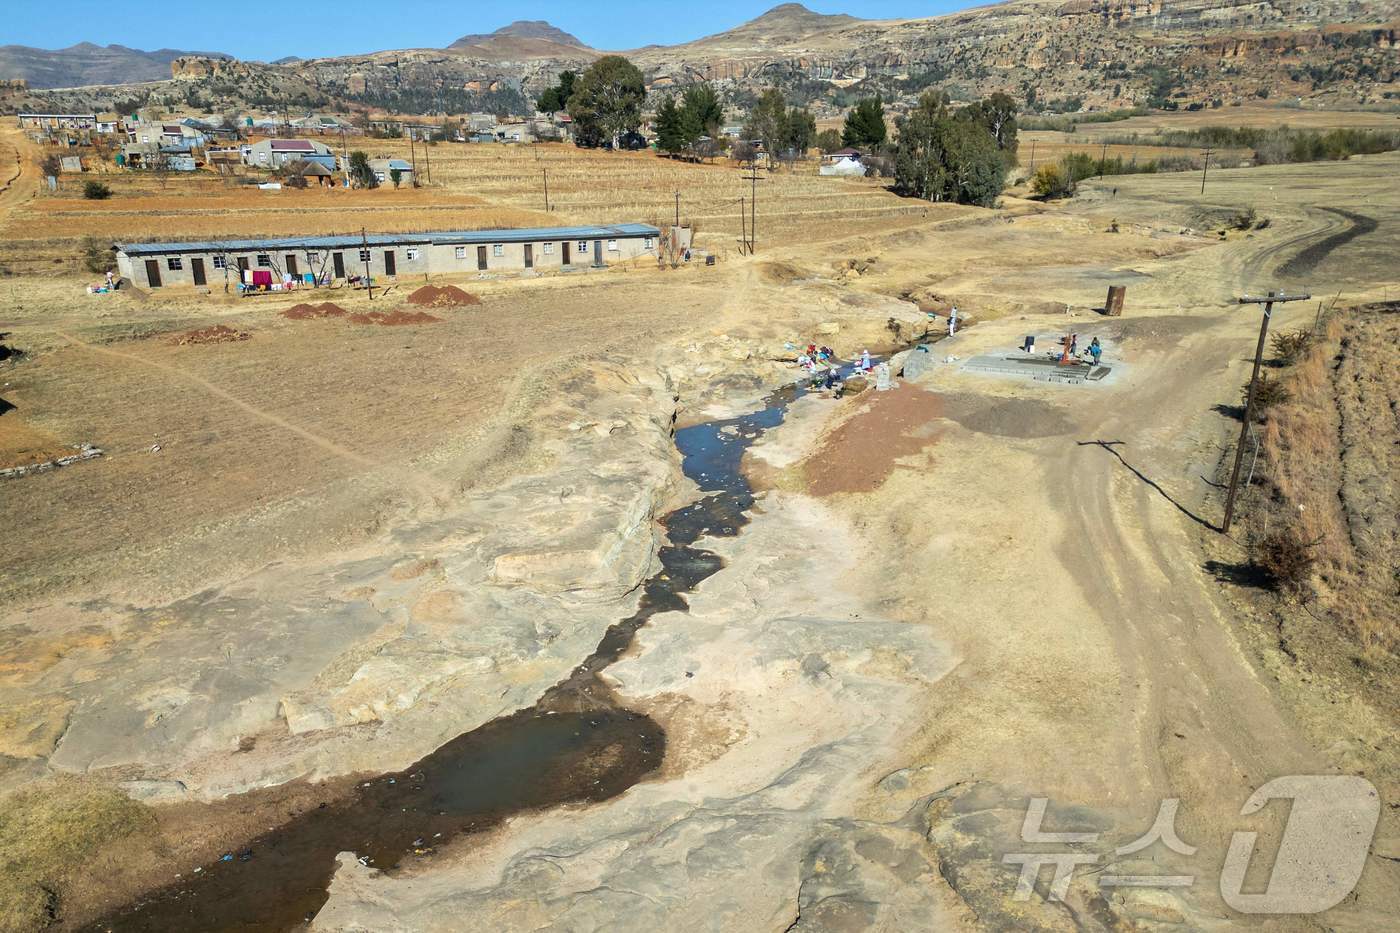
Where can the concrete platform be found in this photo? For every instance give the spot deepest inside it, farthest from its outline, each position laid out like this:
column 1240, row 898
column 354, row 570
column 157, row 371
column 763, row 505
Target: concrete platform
column 1039, row 367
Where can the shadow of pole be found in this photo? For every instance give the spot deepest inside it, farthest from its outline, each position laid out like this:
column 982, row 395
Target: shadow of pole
column 1110, row 445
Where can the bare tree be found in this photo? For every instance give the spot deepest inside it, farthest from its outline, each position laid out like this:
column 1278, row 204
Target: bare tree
column 160, row 167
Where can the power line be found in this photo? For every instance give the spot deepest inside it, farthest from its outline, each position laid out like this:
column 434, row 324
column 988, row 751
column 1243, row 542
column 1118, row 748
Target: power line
column 1268, row 302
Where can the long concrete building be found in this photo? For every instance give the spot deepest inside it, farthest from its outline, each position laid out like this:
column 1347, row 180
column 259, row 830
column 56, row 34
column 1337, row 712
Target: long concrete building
column 156, row 265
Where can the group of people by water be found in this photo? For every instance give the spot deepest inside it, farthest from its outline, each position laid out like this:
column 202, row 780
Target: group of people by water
column 823, row 369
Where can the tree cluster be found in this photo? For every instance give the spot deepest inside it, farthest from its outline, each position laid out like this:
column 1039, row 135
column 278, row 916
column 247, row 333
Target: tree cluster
column 865, row 124
column 960, row 156
column 556, row 98
column 606, row 101
column 679, row 127
column 360, row 172
column 780, row 128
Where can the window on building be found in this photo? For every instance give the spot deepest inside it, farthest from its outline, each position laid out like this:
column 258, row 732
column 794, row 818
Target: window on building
column 264, row 260
column 313, row 258
column 646, row 242
column 220, row 262
column 548, row 249
column 498, row 249
column 411, row 253
column 583, row 246
column 174, row 264
column 364, row 255
column 612, row 246
column 460, row 252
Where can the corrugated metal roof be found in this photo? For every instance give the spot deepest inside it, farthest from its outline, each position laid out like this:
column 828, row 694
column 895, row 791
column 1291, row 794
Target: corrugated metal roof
column 353, row 241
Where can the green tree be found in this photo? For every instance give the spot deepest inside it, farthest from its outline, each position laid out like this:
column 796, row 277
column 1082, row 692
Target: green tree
column 670, row 133
column 701, row 108
column 829, row 140
column 942, row 157
column 976, row 167
column 360, row 173
column 396, row 176
column 607, row 100
column 96, row 191
column 865, row 124
column 998, row 114
column 768, row 120
column 556, row 97
column 801, row 130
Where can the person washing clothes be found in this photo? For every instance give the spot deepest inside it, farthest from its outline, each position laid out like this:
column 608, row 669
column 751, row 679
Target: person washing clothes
column 865, row 361
column 953, row 321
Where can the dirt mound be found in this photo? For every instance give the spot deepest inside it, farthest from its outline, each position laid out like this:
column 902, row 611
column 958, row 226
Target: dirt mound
column 394, row 318
column 305, row 311
column 782, row 273
column 216, row 334
column 446, row 296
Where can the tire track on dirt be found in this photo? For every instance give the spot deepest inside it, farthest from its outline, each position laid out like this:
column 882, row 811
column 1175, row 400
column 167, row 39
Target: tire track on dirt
column 1309, row 258
column 423, row 484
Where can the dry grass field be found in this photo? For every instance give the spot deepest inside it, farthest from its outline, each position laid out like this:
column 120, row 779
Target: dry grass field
column 473, row 187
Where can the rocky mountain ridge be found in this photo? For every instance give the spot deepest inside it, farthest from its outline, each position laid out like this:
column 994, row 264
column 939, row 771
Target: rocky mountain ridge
column 1067, row 54
column 87, row 63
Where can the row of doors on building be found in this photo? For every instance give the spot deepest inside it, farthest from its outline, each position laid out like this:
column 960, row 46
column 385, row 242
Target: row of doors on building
column 338, row 261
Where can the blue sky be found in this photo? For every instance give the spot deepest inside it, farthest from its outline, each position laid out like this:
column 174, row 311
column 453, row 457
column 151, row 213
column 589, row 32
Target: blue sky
column 344, row 27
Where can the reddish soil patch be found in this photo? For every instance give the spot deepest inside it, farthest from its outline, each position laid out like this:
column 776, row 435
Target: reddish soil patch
column 446, row 296
column 216, row 334
column 304, row 311
column 860, row 453
column 394, row 318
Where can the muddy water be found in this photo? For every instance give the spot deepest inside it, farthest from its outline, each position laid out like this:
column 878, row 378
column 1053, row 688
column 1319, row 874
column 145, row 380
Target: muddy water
column 577, row 744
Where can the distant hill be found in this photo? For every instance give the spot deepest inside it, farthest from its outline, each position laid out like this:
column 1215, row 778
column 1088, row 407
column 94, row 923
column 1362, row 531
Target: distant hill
column 521, row 29
column 86, row 63
column 781, row 26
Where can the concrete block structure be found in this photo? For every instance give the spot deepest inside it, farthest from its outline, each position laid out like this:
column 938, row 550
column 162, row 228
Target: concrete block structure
column 331, row 258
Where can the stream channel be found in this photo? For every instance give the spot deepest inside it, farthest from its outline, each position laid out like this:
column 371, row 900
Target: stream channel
column 577, row 744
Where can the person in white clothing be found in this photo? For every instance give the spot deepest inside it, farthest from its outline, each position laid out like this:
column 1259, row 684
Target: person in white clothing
column 953, row 320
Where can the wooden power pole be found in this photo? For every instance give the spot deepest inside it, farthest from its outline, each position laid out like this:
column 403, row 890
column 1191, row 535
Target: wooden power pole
column 1268, row 302
column 743, row 227
column 364, row 248
column 1205, row 164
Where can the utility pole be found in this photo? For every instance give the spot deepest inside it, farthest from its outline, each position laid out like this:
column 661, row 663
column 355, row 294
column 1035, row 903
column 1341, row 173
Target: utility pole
column 364, row 248
column 1268, row 303
column 546, row 190
column 344, row 157
column 752, row 238
column 1205, row 164
column 1102, row 157
column 743, row 227
column 412, row 157
column 427, row 162
column 678, row 208
column 1032, row 156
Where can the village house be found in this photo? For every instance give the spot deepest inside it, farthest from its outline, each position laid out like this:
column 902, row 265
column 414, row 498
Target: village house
column 139, row 155
column 315, row 174
column 58, row 121
column 277, row 153
column 842, row 162
column 109, row 123
column 333, row 258
column 383, row 170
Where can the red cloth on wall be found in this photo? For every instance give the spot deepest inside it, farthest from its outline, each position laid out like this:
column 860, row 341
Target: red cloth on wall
column 262, row 277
